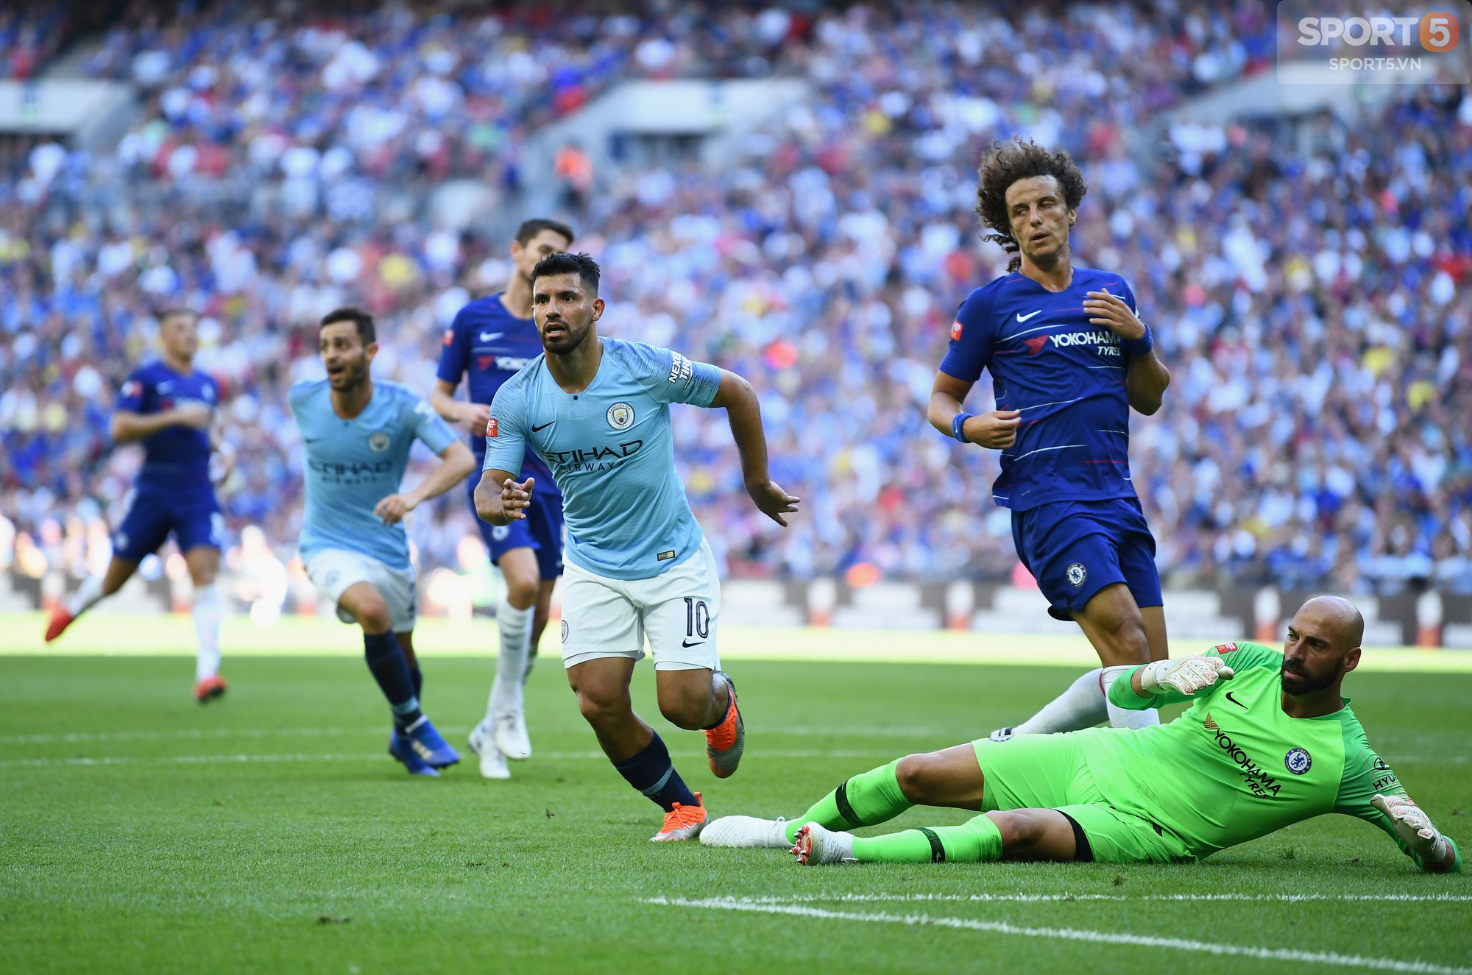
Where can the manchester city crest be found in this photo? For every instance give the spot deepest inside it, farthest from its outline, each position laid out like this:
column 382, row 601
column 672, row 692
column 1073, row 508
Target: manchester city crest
column 1298, row 760
column 378, row 441
column 620, row 416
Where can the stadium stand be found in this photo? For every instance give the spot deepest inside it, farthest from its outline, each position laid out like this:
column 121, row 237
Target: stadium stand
column 1318, row 430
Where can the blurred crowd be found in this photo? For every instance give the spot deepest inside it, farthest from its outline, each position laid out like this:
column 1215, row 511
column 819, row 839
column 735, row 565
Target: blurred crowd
column 1307, row 284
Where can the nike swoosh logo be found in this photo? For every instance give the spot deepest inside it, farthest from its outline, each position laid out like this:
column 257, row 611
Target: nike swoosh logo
column 1022, row 318
column 312, row 439
column 687, row 643
column 543, row 426
column 1237, row 702
column 487, row 336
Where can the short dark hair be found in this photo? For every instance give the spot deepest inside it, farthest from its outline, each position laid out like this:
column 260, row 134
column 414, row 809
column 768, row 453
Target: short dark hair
column 1004, row 165
column 173, row 310
column 530, row 229
column 582, row 265
column 366, row 332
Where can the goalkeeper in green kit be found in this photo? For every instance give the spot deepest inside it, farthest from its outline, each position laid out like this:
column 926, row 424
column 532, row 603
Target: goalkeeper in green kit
column 1267, row 742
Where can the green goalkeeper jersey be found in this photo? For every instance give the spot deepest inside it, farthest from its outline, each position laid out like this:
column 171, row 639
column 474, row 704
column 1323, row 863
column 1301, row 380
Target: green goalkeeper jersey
column 1235, row 767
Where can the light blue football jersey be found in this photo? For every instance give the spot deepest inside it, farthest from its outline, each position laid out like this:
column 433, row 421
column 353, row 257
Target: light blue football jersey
column 612, row 454
column 351, row 465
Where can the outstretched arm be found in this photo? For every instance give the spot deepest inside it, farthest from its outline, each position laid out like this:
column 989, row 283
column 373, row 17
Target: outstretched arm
column 473, row 415
column 1411, row 828
column 456, row 461
column 500, row 499
column 736, row 396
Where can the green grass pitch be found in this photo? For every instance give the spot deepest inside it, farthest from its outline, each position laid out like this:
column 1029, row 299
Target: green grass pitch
column 270, row 832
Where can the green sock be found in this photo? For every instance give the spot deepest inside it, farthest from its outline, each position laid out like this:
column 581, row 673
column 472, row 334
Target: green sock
column 977, row 841
column 864, row 800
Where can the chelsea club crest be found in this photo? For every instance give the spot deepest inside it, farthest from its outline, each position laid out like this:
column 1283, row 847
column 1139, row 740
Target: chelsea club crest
column 1298, row 760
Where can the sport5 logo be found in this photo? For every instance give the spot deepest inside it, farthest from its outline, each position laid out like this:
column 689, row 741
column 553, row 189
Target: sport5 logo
column 1437, row 32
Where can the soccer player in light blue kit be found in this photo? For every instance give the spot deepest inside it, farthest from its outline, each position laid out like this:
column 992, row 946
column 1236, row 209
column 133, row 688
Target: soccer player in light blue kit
column 597, row 412
column 357, row 435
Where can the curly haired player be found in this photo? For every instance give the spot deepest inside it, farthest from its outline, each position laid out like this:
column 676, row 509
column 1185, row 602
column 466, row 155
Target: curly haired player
column 1069, row 357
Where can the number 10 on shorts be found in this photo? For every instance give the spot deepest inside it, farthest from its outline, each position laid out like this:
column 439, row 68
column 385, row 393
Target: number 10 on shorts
column 697, row 619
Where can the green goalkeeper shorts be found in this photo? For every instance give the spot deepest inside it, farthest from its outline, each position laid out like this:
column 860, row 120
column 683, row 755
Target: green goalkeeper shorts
column 1049, row 772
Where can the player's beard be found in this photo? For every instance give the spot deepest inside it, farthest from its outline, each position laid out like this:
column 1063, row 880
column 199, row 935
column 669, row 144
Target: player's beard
column 568, row 342
column 352, row 376
column 1299, row 682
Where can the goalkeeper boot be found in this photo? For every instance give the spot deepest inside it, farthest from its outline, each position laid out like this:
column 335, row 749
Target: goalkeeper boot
column 399, row 748
column 746, row 832
column 492, row 761
column 428, row 745
column 726, row 741
column 816, row 845
column 682, row 822
column 1001, row 734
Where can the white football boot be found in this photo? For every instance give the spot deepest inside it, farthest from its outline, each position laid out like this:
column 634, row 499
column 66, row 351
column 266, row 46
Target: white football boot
column 816, row 845
column 510, row 736
column 492, row 762
column 746, row 832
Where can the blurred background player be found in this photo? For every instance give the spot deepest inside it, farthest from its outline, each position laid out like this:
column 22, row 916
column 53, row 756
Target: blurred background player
column 491, row 339
column 356, row 436
column 168, row 406
column 639, row 563
column 1069, row 357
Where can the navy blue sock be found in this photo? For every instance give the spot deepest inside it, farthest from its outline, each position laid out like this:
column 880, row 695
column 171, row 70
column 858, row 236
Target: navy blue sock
column 417, row 676
column 391, row 669
column 652, row 773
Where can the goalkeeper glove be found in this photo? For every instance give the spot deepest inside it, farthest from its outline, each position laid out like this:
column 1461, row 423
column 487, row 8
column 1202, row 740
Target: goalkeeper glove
column 1414, row 826
column 1187, row 675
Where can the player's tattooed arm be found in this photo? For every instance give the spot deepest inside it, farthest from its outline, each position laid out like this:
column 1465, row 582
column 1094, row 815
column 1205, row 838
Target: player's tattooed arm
column 456, row 462
column 126, row 426
column 474, row 416
column 1147, row 377
column 500, row 499
column 744, row 412
column 995, row 430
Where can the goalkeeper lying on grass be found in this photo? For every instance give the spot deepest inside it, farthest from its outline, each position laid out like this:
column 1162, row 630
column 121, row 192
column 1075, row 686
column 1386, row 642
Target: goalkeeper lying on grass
column 1267, row 742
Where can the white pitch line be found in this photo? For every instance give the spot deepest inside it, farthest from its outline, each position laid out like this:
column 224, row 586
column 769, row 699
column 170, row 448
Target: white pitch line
column 1074, row 934
column 87, row 761
column 1043, row 898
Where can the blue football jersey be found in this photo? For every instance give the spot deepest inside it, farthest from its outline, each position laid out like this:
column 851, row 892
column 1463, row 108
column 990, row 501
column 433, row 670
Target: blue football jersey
column 1065, row 375
column 176, row 456
column 351, row 465
column 610, row 447
column 489, row 345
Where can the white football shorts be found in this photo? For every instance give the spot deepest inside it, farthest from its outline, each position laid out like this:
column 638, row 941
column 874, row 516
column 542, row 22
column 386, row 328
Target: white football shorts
column 677, row 610
column 333, row 570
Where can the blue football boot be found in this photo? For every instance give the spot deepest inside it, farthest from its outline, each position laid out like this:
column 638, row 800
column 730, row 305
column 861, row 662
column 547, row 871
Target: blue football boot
column 428, row 745
column 399, row 748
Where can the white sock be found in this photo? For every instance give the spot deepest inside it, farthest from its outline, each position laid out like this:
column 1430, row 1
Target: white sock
column 1123, row 717
column 208, row 618
column 1081, row 706
column 85, row 597
column 516, row 644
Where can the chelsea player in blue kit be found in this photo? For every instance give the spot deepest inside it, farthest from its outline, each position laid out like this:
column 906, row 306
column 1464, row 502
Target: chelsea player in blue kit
column 491, row 339
column 597, row 411
column 356, row 435
column 1069, row 358
column 169, row 407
